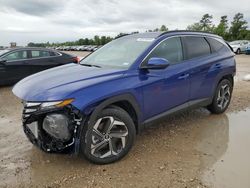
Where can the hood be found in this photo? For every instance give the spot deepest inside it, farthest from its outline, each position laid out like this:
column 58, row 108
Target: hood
column 57, row 83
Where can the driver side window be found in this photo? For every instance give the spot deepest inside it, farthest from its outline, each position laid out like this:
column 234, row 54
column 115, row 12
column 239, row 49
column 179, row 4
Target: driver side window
column 170, row 49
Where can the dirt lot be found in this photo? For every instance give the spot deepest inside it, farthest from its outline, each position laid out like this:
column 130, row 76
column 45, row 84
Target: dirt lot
column 192, row 149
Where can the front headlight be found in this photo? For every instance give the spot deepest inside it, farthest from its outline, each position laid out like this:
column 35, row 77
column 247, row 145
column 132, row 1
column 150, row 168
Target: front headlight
column 33, row 106
column 54, row 104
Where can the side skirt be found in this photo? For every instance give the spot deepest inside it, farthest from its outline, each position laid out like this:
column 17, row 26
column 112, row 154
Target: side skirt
column 188, row 105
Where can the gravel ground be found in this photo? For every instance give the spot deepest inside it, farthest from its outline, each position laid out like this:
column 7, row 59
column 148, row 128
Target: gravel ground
column 191, row 149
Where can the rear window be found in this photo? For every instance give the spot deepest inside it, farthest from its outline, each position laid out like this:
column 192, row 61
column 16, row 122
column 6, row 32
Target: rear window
column 39, row 53
column 196, row 47
column 215, row 45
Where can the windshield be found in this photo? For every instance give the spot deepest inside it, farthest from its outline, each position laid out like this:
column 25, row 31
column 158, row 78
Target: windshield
column 119, row 53
column 3, row 52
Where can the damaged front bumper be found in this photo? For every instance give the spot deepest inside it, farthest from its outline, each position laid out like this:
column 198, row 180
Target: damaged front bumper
column 56, row 136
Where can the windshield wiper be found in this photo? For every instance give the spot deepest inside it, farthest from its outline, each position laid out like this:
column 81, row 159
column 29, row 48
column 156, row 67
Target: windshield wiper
column 90, row 65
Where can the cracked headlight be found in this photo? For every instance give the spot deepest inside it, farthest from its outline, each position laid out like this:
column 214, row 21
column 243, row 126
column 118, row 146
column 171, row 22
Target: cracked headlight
column 57, row 125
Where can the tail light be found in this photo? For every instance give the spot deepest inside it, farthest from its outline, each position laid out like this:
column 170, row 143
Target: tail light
column 76, row 59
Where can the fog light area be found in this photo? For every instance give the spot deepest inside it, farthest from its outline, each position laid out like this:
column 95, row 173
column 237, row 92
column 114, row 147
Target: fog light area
column 57, row 126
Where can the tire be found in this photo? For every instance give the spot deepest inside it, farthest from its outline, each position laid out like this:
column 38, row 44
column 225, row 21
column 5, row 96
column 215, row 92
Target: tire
column 238, row 51
column 222, row 97
column 104, row 142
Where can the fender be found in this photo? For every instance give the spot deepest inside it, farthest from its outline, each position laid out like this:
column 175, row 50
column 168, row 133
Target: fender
column 123, row 97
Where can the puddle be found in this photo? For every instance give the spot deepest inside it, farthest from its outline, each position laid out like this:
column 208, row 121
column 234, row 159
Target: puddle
column 226, row 154
column 242, row 76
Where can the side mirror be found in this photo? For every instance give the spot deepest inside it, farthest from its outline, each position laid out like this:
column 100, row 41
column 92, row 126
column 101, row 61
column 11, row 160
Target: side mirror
column 156, row 63
column 3, row 61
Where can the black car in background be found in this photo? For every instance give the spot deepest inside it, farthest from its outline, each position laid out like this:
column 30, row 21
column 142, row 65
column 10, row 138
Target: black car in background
column 17, row 63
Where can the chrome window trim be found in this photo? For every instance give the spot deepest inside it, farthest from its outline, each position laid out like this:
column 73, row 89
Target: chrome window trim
column 27, row 59
column 179, row 36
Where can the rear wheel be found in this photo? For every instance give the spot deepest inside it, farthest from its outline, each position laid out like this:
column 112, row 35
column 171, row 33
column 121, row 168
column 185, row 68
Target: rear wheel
column 110, row 138
column 238, row 51
column 222, row 97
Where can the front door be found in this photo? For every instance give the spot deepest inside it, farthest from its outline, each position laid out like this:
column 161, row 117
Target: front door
column 14, row 68
column 168, row 88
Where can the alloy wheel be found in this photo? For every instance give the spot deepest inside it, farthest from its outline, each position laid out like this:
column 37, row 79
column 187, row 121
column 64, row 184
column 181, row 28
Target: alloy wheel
column 109, row 136
column 223, row 97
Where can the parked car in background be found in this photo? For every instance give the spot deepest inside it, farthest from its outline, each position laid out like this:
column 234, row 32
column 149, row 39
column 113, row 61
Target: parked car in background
column 17, row 63
column 239, row 46
column 248, row 49
column 98, row 106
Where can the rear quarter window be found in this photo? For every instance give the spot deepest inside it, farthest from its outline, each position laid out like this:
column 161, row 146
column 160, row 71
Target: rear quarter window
column 196, row 47
column 54, row 53
column 216, row 46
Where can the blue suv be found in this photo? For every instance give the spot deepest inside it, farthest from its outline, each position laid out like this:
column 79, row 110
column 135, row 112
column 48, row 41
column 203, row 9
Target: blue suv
column 97, row 107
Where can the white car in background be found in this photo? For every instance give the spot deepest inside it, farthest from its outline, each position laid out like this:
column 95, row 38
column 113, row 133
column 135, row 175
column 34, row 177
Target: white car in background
column 239, row 46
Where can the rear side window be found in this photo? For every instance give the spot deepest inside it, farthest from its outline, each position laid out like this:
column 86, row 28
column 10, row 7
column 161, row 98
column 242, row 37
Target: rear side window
column 19, row 55
column 196, row 47
column 39, row 53
column 52, row 53
column 170, row 49
column 215, row 44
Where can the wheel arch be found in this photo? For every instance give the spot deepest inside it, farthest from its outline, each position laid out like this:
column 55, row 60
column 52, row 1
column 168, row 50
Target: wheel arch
column 229, row 77
column 125, row 101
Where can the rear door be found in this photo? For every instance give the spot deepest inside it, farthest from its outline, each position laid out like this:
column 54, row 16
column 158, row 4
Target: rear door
column 15, row 68
column 201, row 60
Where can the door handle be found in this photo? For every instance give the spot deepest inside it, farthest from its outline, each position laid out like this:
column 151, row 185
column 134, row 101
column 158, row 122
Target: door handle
column 218, row 66
column 183, row 76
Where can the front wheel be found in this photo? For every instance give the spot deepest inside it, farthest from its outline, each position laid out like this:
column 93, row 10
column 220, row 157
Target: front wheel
column 222, row 97
column 110, row 138
column 238, row 51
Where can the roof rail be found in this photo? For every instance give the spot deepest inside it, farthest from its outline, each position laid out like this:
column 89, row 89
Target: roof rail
column 175, row 31
column 122, row 35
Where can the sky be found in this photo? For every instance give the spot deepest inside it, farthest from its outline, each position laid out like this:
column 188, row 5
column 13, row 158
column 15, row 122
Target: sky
column 24, row 21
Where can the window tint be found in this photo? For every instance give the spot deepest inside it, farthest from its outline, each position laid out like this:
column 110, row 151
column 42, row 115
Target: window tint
column 196, row 47
column 215, row 44
column 38, row 53
column 16, row 56
column 170, row 49
column 52, row 53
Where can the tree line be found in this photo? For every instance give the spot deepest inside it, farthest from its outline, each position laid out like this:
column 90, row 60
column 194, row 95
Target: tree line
column 96, row 40
column 237, row 29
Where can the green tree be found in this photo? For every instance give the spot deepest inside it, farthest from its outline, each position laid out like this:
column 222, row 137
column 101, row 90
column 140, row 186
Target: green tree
column 206, row 22
column 86, row 41
column 238, row 27
column 156, row 30
column 163, row 28
column 97, row 40
column 222, row 28
column 80, row 42
column 194, row 27
column 103, row 40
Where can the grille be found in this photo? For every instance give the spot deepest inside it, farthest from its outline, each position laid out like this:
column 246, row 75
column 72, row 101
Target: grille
column 29, row 108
